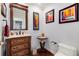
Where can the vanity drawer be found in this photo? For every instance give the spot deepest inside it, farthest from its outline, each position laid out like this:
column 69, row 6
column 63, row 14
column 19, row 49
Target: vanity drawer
column 19, row 47
column 19, row 41
column 21, row 53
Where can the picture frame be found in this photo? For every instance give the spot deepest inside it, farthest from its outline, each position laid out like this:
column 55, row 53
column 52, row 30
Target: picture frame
column 3, row 9
column 35, row 21
column 50, row 16
column 69, row 14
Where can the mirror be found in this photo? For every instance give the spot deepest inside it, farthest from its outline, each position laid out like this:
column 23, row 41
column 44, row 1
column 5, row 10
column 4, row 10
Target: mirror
column 18, row 17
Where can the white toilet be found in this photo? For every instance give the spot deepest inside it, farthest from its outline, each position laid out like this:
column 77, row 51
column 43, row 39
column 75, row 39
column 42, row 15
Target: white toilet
column 66, row 50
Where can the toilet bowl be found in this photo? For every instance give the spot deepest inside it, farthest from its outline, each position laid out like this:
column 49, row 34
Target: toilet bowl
column 66, row 50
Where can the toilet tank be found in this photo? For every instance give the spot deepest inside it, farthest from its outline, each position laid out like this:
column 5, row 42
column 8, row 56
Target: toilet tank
column 67, row 50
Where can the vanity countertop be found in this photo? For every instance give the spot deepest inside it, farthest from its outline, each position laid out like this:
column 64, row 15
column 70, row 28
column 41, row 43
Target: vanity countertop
column 17, row 36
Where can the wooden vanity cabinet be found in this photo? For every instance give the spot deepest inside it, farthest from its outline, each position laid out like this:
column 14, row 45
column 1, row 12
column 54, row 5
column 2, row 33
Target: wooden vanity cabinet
column 18, row 46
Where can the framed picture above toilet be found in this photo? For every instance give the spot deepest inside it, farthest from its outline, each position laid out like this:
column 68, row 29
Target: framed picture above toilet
column 50, row 16
column 69, row 14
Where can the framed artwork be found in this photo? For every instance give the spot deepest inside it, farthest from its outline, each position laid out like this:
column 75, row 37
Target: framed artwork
column 3, row 9
column 50, row 16
column 35, row 21
column 69, row 14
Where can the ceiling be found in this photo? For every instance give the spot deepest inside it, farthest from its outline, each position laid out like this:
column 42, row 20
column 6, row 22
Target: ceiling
column 41, row 5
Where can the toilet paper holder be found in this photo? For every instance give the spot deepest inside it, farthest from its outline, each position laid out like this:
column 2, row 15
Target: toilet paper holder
column 53, row 42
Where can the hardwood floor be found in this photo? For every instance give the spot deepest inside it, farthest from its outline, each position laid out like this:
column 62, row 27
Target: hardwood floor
column 43, row 52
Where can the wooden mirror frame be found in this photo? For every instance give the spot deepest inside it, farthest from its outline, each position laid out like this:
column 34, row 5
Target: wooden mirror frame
column 22, row 7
